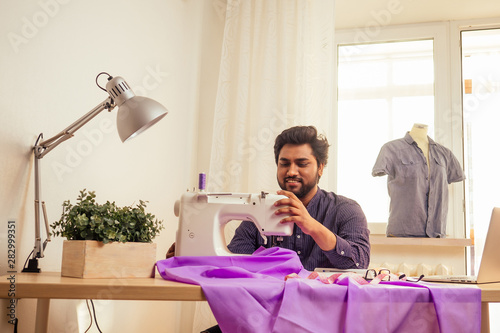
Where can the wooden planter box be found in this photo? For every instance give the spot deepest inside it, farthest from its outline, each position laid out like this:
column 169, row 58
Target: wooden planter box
column 93, row 259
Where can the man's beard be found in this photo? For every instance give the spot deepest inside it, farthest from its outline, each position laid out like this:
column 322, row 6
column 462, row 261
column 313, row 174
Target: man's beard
column 304, row 189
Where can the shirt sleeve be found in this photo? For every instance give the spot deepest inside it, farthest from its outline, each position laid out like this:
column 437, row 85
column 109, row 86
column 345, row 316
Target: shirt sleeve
column 381, row 164
column 245, row 239
column 353, row 238
column 455, row 172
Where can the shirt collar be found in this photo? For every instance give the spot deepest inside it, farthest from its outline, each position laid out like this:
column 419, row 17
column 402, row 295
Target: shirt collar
column 409, row 140
column 317, row 197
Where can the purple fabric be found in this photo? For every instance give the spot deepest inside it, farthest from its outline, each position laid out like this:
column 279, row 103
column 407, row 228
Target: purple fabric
column 250, row 294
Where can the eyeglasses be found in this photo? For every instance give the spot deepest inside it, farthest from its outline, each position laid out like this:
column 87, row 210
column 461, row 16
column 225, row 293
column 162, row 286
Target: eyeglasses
column 372, row 273
column 385, row 275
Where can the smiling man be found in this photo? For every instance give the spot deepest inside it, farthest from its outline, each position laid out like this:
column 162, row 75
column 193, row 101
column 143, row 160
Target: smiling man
column 329, row 230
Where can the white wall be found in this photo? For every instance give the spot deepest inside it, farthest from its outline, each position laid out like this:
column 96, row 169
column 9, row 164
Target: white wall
column 51, row 52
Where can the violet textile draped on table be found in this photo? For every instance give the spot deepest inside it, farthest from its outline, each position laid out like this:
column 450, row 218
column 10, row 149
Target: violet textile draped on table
column 250, row 294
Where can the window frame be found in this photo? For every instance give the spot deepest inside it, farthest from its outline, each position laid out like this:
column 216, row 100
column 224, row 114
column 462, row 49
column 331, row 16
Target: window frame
column 456, row 28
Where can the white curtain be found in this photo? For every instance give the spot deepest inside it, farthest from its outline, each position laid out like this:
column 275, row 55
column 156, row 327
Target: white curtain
column 276, row 71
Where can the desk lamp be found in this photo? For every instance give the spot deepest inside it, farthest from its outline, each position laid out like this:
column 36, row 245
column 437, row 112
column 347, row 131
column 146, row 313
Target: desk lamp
column 135, row 114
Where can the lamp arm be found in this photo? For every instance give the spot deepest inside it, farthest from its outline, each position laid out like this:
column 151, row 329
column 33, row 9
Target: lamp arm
column 40, row 149
column 43, row 147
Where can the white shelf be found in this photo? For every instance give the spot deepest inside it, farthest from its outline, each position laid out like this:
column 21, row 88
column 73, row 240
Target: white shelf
column 413, row 241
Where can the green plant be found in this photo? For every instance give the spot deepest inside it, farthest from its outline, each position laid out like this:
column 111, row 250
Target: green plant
column 88, row 220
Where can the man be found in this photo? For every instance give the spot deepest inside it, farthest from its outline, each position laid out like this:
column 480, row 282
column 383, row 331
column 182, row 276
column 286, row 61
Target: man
column 329, row 230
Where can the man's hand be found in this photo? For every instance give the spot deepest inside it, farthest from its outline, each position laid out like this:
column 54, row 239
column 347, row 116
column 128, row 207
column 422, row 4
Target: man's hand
column 299, row 215
column 297, row 211
column 171, row 251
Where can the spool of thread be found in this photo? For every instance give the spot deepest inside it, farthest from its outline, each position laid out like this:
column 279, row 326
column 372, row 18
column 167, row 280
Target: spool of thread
column 202, row 181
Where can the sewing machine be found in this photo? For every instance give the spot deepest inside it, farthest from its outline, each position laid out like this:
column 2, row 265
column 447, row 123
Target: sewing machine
column 202, row 217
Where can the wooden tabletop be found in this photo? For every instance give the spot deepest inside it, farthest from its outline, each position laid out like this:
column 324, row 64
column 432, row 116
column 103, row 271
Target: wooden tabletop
column 490, row 292
column 52, row 285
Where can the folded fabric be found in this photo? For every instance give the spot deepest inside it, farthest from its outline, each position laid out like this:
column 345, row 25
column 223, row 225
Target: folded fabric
column 251, row 294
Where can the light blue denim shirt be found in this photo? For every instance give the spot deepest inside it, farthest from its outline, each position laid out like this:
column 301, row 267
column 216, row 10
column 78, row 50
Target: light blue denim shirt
column 419, row 204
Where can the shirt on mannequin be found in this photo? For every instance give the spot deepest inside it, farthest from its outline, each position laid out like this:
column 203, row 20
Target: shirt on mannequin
column 417, row 186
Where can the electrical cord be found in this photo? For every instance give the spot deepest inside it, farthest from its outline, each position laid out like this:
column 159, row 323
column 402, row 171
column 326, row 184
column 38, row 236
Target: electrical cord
column 29, row 255
column 97, row 78
column 92, row 313
column 95, row 317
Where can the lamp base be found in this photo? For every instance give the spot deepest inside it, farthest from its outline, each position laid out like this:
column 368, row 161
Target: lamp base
column 32, row 266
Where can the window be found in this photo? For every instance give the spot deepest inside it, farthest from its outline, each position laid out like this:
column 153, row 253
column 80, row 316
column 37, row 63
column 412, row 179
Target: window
column 481, row 103
column 383, row 89
column 401, row 76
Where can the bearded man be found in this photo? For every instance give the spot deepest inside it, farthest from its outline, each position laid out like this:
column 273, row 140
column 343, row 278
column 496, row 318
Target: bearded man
column 329, row 230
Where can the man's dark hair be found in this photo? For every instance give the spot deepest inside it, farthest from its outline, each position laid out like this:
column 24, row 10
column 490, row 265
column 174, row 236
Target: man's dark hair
column 299, row 135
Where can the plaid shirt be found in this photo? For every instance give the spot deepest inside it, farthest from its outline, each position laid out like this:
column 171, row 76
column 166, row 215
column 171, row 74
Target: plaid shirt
column 339, row 214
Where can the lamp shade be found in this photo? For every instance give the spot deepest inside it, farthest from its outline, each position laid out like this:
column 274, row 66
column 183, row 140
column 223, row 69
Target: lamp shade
column 135, row 113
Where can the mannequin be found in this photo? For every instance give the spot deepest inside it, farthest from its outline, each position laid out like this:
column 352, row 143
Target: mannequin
column 419, row 194
column 419, row 134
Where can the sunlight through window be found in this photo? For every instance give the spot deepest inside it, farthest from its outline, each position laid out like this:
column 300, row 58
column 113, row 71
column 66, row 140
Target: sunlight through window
column 383, row 89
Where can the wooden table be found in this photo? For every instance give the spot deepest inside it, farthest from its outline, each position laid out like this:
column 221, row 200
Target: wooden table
column 53, row 286
column 46, row 286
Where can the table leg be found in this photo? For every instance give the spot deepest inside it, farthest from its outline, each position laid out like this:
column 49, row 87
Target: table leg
column 42, row 315
column 485, row 317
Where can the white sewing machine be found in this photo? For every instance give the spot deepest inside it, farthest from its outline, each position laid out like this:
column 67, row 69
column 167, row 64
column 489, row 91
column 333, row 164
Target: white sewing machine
column 202, row 217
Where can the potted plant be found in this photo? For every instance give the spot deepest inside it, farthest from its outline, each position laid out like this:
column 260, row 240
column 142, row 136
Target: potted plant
column 106, row 241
